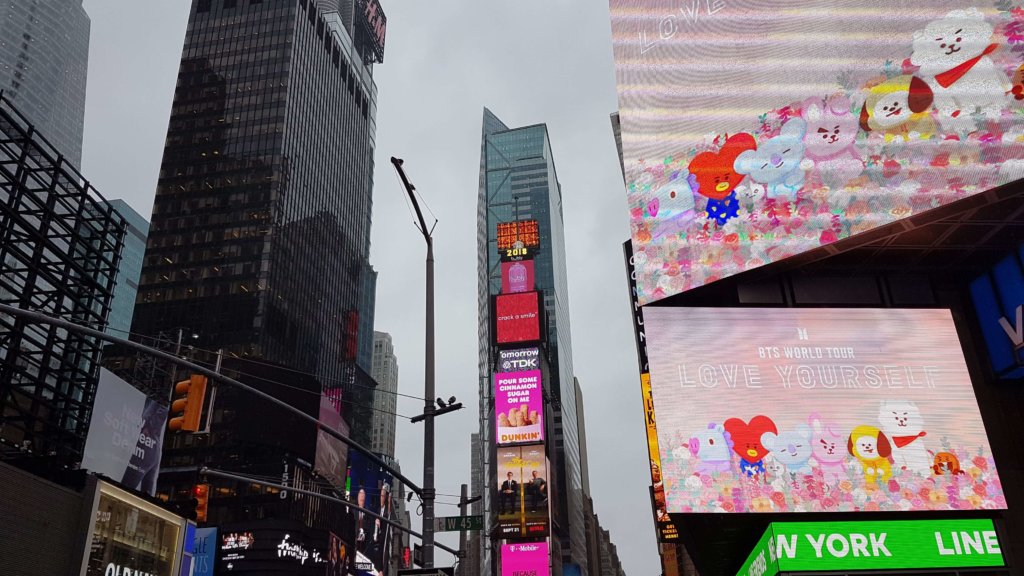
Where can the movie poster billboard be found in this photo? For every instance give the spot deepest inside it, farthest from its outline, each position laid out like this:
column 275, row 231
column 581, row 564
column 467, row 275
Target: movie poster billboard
column 331, row 453
column 756, row 130
column 526, row 559
column 517, row 318
column 667, row 531
column 522, row 492
column 126, row 434
column 519, row 407
column 370, row 488
column 816, row 410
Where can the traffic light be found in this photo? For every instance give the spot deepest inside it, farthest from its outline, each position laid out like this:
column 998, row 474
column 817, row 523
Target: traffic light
column 201, row 498
column 187, row 407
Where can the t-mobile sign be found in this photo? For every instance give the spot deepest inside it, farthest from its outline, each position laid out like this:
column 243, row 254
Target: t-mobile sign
column 530, row 559
column 517, row 317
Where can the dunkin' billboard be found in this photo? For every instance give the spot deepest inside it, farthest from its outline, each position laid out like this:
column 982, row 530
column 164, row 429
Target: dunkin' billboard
column 519, row 406
column 753, row 130
column 816, row 410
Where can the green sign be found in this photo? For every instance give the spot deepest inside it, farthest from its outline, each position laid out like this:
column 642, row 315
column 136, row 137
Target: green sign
column 876, row 545
column 459, row 523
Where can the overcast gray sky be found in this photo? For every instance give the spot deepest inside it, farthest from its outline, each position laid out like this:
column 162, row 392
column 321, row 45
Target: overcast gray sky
column 529, row 61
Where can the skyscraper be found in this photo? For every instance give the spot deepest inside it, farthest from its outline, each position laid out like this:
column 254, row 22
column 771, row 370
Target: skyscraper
column 260, row 234
column 128, row 271
column 385, row 399
column 518, row 181
column 44, row 54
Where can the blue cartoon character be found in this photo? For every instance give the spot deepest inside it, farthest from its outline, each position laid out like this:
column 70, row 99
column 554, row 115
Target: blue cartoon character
column 713, row 446
column 776, row 162
column 671, row 206
column 792, row 449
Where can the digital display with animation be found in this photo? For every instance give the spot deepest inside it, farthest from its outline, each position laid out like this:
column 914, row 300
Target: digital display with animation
column 816, row 410
column 755, row 130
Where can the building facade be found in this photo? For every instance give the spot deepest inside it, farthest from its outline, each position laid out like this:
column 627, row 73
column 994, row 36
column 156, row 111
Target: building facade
column 120, row 320
column 44, row 56
column 385, row 395
column 260, row 232
column 61, row 243
column 518, row 181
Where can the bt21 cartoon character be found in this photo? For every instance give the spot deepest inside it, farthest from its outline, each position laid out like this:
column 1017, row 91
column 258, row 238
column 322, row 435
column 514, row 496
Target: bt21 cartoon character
column 746, row 437
column 791, row 448
column 899, row 107
column 870, row 446
column 671, row 206
column 952, row 56
column 776, row 162
column 946, row 463
column 902, row 423
column 713, row 447
column 829, row 140
column 827, row 449
column 717, row 177
column 773, row 468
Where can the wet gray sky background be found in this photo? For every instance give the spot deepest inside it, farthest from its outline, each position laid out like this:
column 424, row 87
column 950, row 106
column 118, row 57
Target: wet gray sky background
column 529, row 61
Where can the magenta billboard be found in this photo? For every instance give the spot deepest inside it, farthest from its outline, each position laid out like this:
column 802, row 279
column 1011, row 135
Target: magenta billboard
column 519, row 407
column 529, row 559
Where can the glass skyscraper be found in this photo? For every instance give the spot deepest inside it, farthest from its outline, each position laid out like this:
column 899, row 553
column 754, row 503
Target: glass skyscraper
column 518, row 181
column 121, row 309
column 44, row 53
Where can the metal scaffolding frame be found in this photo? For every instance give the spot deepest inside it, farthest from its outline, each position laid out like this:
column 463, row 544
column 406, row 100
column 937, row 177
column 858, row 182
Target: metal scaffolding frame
column 60, row 246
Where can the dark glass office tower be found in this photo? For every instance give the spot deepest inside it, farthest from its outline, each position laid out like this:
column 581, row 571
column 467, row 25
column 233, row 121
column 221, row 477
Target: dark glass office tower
column 260, row 233
column 44, row 56
column 518, row 181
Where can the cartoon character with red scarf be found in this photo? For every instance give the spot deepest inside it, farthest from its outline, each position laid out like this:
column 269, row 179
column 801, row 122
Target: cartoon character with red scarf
column 952, row 55
column 902, row 422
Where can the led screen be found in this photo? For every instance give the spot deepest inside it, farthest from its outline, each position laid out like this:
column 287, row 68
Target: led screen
column 522, row 492
column 758, row 129
column 816, row 410
column 518, row 407
column 516, row 276
column 530, row 559
column 518, row 359
column 370, row 488
column 517, row 318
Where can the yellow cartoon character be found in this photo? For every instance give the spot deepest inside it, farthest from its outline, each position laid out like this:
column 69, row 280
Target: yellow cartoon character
column 870, row 446
column 897, row 107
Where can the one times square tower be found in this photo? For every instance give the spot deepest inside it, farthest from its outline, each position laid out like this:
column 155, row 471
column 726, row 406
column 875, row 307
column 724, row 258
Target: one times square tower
column 260, row 231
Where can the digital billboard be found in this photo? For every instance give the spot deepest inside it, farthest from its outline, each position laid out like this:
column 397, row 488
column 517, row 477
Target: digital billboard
column 998, row 296
column 519, row 407
column 331, row 453
column 126, row 434
column 272, row 547
column 816, row 410
column 370, row 488
column 756, row 130
column 522, row 492
column 874, row 545
column 517, row 276
column 518, row 234
column 518, row 359
column 667, row 531
column 517, row 317
column 528, row 559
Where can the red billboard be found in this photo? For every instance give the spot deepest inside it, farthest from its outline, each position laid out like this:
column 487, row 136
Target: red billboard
column 517, row 317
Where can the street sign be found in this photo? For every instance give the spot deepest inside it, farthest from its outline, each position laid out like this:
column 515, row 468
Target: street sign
column 446, row 571
column 458, row 523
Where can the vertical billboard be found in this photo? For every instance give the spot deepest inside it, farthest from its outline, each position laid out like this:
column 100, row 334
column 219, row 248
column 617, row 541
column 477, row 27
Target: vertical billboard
column 204, row 553
column 522, row 492
column 517, row 240
column 528, row 559
column 816, row 410
column 758, row 129
column 518, row 407
column 998, row 296
column 517, row 317
column 331, row 453
column 126, row 434
column 370, row 488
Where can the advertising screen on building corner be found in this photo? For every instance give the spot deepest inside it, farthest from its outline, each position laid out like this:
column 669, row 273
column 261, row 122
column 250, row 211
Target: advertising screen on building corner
column 517, row 317
column 753, row 130
column 519, row 405
column 527, row 559
column 816, row 410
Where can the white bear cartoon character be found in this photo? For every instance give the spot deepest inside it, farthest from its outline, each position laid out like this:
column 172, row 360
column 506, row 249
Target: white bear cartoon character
column 952, row 54
column 902, row 423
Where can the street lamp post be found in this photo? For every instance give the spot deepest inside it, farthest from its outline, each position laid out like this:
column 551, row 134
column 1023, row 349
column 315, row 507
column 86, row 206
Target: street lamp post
column 428, row 384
